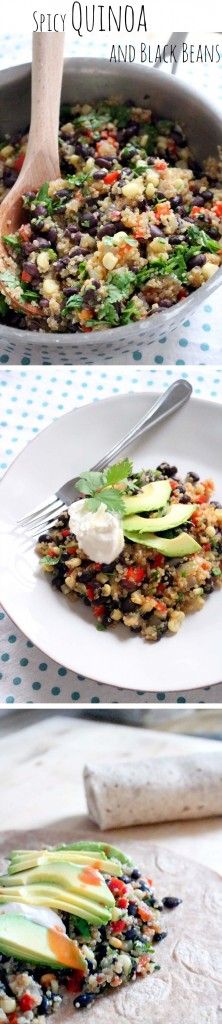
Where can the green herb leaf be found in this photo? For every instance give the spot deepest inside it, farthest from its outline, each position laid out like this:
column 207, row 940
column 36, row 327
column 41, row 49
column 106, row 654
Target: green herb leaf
column 78, row 179
column 28, row 294
column 90, row 482
column 50, row 561
column 81, row 926
column 202, row 239
column 120, row 471
column 43, row 194
column 12, row 240
column 124, row 281
column 74, row 302
column 110, row 497
column 108, row 313
column 131, row 312
column 82, row 271
column 11, row 279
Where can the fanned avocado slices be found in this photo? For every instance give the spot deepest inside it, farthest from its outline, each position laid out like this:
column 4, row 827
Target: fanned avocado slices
column 23, row 939
column 80, row 879
column 172, row 547
column 151, row 497
column 176, row 515
column 51, row 896
column 23, row 862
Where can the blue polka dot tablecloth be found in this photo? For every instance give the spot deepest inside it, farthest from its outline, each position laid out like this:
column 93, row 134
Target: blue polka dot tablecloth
column 29, row 400
column 198, row 339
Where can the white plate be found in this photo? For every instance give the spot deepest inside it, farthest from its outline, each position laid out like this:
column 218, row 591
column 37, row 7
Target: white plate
column 192, row 440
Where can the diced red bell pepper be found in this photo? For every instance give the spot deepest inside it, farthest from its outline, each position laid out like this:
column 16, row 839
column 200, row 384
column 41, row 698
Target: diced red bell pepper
column 19, row 162
column 123, row 902
column 162, row 208
column 217, row 208
column 99, row 611
column 117, row 927
column 25, row 277
column 117, row 887
column 112, row 177
column 71, row 550
column 161, row 607
column 90, row 591
column 135, row 573
column 196, row 210
column 173, row 484
column 25, row 232
column 27, row 1002
column 65, row 533
column 160, row 165
column 13, row 1017
column 158, row 561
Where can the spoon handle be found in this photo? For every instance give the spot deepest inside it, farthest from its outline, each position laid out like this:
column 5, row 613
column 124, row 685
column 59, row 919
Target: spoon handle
column 47, row 68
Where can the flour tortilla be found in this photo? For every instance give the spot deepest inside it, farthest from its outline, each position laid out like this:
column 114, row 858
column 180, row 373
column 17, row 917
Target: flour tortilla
column 154, row 790
column 188, row 988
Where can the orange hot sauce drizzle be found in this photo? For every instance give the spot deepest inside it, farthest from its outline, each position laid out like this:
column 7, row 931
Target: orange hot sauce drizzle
column 64, row 949
column 90, row 877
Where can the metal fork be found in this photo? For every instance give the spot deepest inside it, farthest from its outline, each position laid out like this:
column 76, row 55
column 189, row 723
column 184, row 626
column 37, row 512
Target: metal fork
column 46, row 515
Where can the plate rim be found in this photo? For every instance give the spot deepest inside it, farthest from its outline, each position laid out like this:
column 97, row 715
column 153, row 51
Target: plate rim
column 114, row 399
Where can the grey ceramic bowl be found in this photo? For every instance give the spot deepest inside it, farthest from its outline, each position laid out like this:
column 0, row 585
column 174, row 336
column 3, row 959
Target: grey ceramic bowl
column 85, row 81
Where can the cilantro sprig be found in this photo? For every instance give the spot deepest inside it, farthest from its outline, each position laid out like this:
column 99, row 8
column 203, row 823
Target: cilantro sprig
column 101, row 487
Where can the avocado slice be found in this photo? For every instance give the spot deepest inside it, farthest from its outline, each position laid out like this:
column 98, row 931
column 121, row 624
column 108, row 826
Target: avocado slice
column 177, row 515
column 33, row 860
column 57, row 899
column 26, row 940
column 89, row 846
column 74, row 878
column 152, row 496
column 173, row 547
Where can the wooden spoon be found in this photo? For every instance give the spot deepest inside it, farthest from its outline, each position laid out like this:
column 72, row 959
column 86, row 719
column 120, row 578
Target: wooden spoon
column 42, row 155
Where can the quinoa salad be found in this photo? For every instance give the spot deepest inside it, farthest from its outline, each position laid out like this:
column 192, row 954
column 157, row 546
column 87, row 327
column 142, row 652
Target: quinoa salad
column 171, row 554
column 133, row 225
column 111, row 928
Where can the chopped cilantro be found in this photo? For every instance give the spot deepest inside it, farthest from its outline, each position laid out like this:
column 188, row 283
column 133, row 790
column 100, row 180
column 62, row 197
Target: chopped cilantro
column 90, row 482
column 12, row 240
column 82, row 271
column 202, row 239
column 153, row 133
column 108, row 313
column 78, row 179
column 74, row 302
column 109, row 497
column 100, row 487
column 131, row 312
column 124, row 281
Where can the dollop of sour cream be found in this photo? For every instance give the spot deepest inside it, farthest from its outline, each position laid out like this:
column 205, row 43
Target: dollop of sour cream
column 39, row 915
column 99, row 534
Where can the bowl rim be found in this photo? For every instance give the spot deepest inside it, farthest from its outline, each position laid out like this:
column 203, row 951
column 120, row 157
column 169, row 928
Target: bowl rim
column 166, row 318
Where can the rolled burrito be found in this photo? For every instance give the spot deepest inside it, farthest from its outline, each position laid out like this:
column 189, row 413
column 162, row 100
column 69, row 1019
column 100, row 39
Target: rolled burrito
column 156, row 790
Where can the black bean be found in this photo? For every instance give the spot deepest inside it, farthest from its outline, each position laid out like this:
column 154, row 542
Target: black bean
column 155, row 231
column 168, row 470
column 208, row 587
column 84, row 1000
column 90, row 297
column 43, row 538
column 28, row 247
column 71, row 232
column 9, row 176
column 207, row 195
column 217, row 504
column 70, row 291
column 197, row 261
column 89, row 220
column 98, row 175
column 213, row 232
column 175, row 202
column 131, row 933
column 106, row 162
column 198, row 200
column 64, row 193
column 135, row 874
column 100, row 951
column 159, row 936
column 132, row 909
column 40, row 210
column 170, row 902
column 52, row 235
column 193, row 476
column 184, row 500
column 30, row 268
column 83, row 150
column 44, row 303
column 166, row 303
column 107, row 229
column 42, row 243
column 176, row 239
